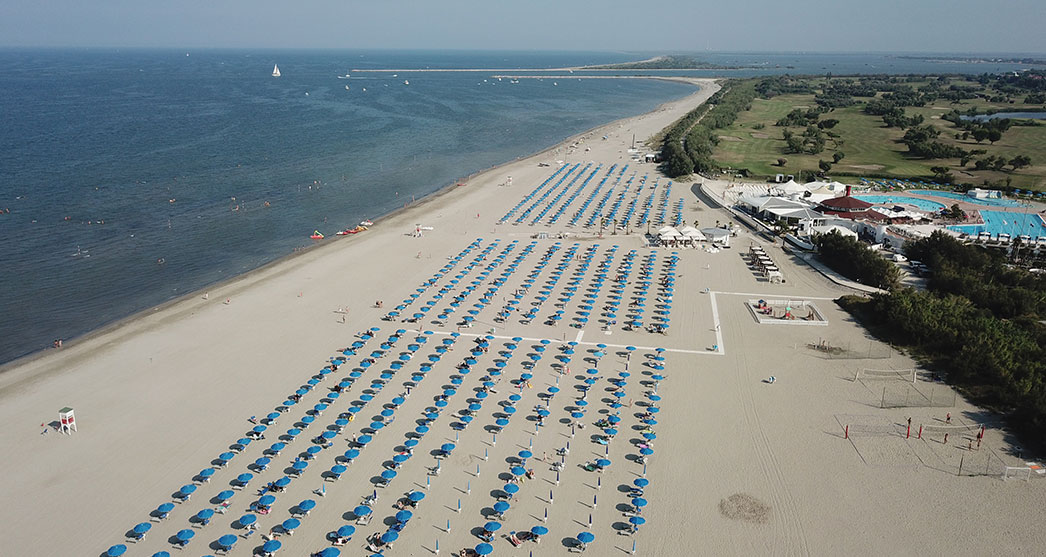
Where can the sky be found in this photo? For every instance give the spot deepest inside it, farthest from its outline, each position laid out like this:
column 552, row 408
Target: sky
column 941, row 26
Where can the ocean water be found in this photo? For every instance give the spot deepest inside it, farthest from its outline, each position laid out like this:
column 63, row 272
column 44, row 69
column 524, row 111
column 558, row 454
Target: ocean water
column 134, row 177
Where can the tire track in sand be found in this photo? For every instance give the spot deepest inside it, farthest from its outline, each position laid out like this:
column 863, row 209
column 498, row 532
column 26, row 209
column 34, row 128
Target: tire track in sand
column 786, row 512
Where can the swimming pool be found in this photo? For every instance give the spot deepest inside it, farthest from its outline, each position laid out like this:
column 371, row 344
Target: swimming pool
column 973, row 200
column 1000, row 222
column 923, row 204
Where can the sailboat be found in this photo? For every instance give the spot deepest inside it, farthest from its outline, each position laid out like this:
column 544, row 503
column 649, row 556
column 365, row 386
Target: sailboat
column 275, row 70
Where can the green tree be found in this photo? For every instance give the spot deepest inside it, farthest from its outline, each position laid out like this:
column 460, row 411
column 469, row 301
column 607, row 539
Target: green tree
column 994, row 135
column 1020, row 161
column 838, row 156
column 824, row 165
column 782, row 161
column 980, row 134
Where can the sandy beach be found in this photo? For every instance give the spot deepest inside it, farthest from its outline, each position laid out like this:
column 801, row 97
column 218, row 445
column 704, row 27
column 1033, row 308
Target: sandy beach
column 739, row 465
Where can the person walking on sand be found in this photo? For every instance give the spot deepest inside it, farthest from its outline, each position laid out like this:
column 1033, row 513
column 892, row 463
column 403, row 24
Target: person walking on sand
column 948, row 418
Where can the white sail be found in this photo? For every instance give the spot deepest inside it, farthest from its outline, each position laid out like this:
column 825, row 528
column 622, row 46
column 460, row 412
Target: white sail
column 275, row 70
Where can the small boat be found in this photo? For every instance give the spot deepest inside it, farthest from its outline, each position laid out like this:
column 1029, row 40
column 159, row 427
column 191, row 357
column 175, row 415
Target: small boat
column 346, row 87
column 316, row 235
column 405, row 82
column 356, row 230
column 275, row 70
column 366, row 223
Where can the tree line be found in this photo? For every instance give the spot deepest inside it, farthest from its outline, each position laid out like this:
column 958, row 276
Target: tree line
column 978, row 323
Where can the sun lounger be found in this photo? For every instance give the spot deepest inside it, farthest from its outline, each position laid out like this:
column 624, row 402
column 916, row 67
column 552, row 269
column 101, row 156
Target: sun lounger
column 363, row 520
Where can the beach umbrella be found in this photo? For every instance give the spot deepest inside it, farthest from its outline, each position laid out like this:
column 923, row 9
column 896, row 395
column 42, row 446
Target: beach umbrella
column 142, row 528
column 271, row 546
column 187, row 489
column 539, row 530
column 638, row 502
column 116, row 550
column 501, row 422
column 244, row 477
column 649, row 436
column 614, row 419
column 422, row 429
column 300, row 465
column 410, row 443
column 416, row 496
column 447, row 447
column 225, row 495
column 291, row 524
column 388, row 474
column 501, row 506
column 185, row 535
column 307, row 420
column 510, row 488
column 577, row 415
column 162, row 554
column 509, row 410
column 307, row 505
column 610, row 431
column 330, row 552
column 262, row 462
column 247, row 519
column 266, row 500
column 352, row 453
column 646, row 451
column 313, row 450
column 346, row 531
column 228, row 540
column 404, row 516
column 364, row 439
column 492, row 526
column 585, row 537
column 390, row 536
column 400, row 458
column 362, row 510
column 525, row 454
column 602, row 463
column 484, row 549
column 641, row 482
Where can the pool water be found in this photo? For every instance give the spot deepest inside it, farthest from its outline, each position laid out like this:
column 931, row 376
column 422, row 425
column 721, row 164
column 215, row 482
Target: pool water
column 1000, row 222
column 890, row 200
column 973, row 200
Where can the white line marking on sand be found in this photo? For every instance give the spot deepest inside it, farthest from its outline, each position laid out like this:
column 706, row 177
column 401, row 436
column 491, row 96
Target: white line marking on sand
column 580, row 334
column 651, row 348
column 776, row 295
column 715, row 323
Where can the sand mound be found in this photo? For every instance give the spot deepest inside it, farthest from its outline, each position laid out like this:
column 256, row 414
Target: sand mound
column 867, row 166
column 741, row 506
column 729, row 138
column 758, row 135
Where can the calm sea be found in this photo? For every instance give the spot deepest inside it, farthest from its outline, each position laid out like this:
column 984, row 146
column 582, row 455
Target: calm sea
column 134, row 177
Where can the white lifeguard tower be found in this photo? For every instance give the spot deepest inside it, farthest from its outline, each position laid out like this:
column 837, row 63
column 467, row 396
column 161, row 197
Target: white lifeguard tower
column 67, row 420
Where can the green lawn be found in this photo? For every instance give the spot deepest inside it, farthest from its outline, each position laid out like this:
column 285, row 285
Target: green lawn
column 871, row 148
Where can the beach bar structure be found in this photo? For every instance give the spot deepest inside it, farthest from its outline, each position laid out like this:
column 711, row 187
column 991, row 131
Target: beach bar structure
column 67, row 420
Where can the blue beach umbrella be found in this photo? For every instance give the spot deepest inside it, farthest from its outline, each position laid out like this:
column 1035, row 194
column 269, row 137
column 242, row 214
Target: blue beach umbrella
column 187, row 489
column 116, row 550
column 352, row 453
column 185, row 535
column 247, row 519
column 638, row 502
column 142, row 528
column 362, row 510
column 501, row 506
column 492, row 526
column 585, row 537
column 346, row 531
column 390, row 536
column 416, row 496
column 404, row 516
column 388, row 474
column 271, row 546
column 266, row 500
column 227, row 541
column 225, row 495
column 510, row 488
column 484, row 549
column 307, row 505
column 291, row 524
